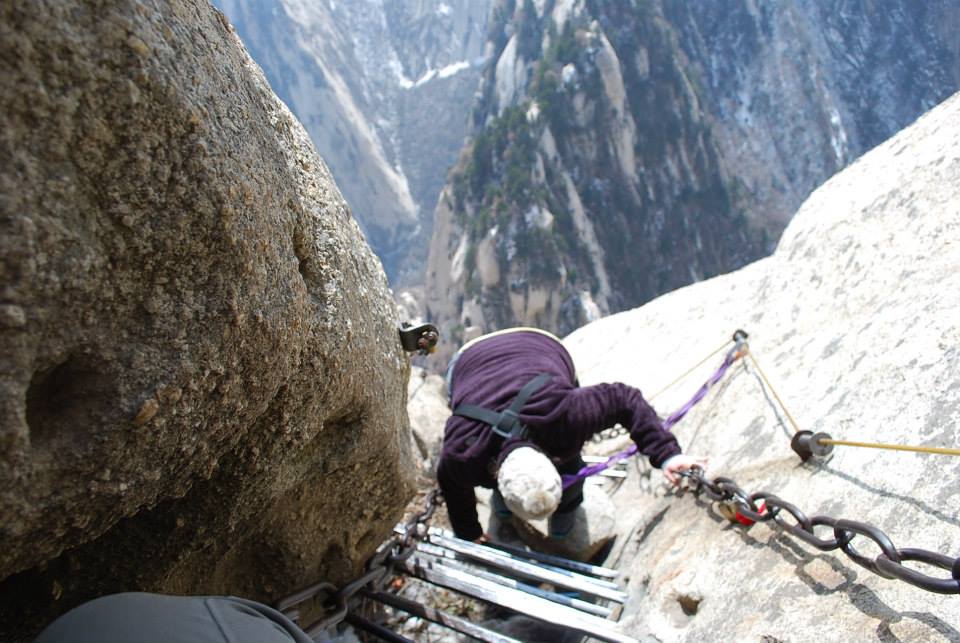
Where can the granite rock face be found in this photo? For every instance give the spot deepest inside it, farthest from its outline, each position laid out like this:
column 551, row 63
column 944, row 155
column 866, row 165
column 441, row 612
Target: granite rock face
column 854, row 322
column 198, row 351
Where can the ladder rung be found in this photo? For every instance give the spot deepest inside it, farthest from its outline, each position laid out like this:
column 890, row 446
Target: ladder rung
column 556, row 561
column 553, row 561
column 597, row 459
column 515, row 600
column 547, row 574
column 506, row 581
column 445, row 619
column 613, row 473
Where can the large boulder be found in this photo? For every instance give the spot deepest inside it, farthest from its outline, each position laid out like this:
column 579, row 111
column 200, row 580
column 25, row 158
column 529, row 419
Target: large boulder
column 198, row 351
column 854, row 322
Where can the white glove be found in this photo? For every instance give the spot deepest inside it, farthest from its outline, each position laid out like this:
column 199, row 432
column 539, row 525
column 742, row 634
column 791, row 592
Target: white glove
column 680, row 462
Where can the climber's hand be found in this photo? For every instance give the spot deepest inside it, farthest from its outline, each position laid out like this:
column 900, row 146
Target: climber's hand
column 680, row 462
column 484, row 538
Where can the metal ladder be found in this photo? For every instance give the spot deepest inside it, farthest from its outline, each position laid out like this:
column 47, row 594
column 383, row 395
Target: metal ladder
column 578, row 596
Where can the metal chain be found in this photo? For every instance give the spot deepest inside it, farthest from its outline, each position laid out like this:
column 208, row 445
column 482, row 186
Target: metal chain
column 392, row 552
column 737, row 503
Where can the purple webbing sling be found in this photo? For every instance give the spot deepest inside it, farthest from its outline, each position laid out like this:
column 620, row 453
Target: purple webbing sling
column 676, row 416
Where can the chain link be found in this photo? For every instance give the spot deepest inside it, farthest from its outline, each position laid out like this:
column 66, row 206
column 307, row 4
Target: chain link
column 392, row 552
column 888, row 564
column 609, row 434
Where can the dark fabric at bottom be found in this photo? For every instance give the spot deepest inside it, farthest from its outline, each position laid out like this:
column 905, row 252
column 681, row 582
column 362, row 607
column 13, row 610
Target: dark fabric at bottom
column 137, row 617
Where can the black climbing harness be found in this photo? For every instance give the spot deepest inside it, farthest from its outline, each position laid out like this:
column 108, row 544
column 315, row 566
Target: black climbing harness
column 506, row 423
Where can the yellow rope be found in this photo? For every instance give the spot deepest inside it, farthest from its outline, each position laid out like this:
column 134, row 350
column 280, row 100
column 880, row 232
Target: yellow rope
column 846, row 443
column 783, row 406
column 892, row 447
column 691, row 369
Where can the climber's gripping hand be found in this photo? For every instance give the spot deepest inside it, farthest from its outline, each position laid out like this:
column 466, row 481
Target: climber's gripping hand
column 674, row 465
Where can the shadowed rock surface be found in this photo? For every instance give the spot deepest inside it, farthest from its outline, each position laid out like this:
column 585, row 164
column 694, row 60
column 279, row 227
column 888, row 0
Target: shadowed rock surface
column 198, row 351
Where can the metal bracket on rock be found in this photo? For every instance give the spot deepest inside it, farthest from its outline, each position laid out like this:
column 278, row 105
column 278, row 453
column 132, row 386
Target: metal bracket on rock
column 421, row 339
column 807, row 444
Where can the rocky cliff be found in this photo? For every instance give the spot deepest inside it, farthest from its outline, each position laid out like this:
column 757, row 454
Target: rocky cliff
column 198, row 351
column 625, row 149
column 384, row 90
column 853, row 321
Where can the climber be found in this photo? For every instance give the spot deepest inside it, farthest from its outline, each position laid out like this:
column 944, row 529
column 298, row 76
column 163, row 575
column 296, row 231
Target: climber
column 520, row 419
column 138, row 617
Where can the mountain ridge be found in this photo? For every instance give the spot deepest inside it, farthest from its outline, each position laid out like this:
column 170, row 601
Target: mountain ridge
column 382, row 88
column 603, row 125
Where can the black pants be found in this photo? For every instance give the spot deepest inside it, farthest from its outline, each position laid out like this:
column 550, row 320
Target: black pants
column 573, row 495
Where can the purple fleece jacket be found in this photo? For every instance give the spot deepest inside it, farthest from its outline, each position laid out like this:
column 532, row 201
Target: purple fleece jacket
column 560, row 416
